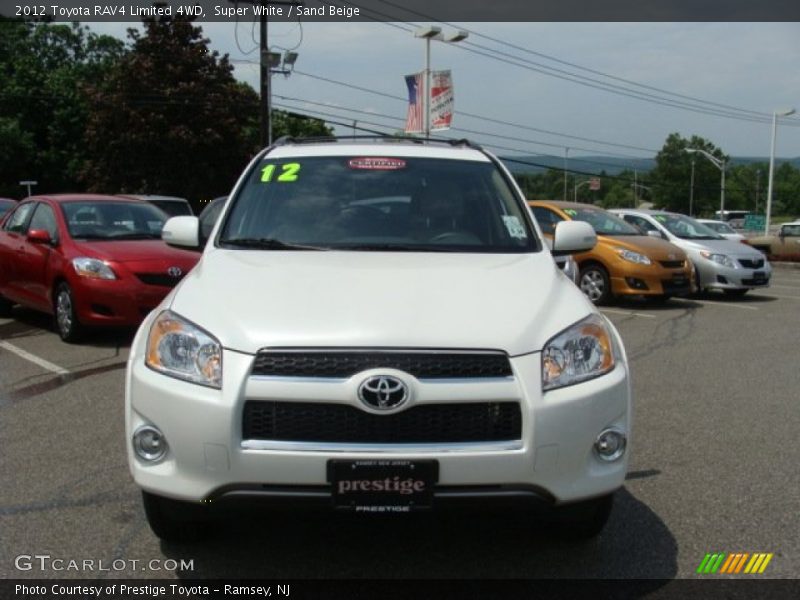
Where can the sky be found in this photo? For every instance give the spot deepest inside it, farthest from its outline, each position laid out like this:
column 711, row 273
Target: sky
column 752, row 66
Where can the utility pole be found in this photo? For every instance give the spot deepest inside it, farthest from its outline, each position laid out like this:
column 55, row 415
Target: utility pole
column 758, row 186
column 266, row 117
column 566, row 158
column 691, row 190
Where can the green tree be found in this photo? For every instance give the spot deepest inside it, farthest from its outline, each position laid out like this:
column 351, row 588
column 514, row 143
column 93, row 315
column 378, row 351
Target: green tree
column 44, row 69
column 170, row 118
column 671, row 177
column 295, row 125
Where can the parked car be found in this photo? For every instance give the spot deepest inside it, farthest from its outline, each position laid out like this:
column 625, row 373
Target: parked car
column 785, row 245
column 89, row 260
column 327, row 350
column 6, row 204
column 625, row 262
column 172, row 205
column 723, row 229
column 719, row 264
column 209, row 216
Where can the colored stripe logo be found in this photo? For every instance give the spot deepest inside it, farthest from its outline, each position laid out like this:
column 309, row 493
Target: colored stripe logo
column 734, row 563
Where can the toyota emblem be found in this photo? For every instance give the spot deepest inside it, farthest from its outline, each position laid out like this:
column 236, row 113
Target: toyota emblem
column 383, row 392
column 174, row 272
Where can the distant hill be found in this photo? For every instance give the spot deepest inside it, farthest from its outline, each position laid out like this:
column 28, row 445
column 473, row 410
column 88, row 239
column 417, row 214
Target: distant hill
column 612, row 165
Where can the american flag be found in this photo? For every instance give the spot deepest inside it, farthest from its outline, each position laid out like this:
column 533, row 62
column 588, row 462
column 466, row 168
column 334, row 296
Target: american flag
column 414, row 117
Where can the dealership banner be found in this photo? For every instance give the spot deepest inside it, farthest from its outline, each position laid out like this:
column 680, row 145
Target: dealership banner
column 441, row 100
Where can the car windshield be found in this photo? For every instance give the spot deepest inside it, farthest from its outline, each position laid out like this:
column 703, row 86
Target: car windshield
column 603, row 222
column 719, row 227
column 377, row 203
column 106, row 220
column 686, row 228
column 791, row 230
column 174, row 208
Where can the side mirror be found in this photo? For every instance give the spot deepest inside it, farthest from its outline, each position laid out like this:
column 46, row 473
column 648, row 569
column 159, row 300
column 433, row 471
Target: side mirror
column 39, row 236
column 183, row 232
column 572, row 237
column 655, row 234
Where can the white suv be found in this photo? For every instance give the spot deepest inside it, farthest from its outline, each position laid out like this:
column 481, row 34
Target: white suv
column 377, row 325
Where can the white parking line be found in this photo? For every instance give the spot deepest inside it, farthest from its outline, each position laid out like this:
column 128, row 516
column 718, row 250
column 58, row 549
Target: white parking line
column 778, row 296
column 730, row 304
column 627, row 313
column 791, row 287
column 45, row 364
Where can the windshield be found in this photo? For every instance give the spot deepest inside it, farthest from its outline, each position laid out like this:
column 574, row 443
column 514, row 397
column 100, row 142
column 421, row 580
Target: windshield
column 603, row 222
column 686, row 228
column 377, row 203
column 174, row 208
column 719, row 227
column 105, row 220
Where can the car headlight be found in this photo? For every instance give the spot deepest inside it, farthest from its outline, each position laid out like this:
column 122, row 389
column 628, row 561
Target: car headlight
column 583, row 351
column 720, row 259
column 633, row 257
column 178, row 348
column 92, row 268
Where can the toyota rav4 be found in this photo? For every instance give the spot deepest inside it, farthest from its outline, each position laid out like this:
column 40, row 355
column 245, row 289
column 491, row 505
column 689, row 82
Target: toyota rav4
column 379, row 326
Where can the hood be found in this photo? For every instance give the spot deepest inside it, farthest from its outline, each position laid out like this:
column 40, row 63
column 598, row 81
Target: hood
column 123, row 251
column 255, row 299
column 728, row 247
column 644, row 244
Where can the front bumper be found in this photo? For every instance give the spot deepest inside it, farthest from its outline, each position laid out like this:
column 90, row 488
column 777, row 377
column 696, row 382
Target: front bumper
column 208, row 459
column 115, row 303
column 715, row 276
column 631, row 279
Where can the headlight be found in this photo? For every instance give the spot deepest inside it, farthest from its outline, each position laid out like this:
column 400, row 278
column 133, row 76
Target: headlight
column 583, row 351
column 92, row 268
column 180, row 349
column 720, row 259
column 633, row 257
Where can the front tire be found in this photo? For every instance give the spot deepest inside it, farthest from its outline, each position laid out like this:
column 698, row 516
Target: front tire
column 69, row 328
column 582, row 520
column 595, row 284
column 174, row 520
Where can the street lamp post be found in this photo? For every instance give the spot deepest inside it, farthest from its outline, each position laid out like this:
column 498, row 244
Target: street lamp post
column 720, row 164
column 775, row 115
column 428, row 34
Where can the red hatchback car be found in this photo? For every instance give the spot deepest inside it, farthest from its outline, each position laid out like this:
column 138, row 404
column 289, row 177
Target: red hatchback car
column 88, row 260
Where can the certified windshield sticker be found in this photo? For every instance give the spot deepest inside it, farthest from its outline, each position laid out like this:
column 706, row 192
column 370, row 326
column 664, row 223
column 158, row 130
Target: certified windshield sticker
column 285, row 173
column 374, row 163
column 514, row 227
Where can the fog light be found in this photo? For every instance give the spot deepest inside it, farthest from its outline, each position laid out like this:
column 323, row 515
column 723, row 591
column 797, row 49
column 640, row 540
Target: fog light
column 610, row 444
column 149, row 443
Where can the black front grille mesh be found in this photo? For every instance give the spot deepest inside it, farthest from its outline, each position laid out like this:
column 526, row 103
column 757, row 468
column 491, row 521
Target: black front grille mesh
column 672, row 264
column 423, row 365
column 161, row 279
column 342, row 423
column 751, row 264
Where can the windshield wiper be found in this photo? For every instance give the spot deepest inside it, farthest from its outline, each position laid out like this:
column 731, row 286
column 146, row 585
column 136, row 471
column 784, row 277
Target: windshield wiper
column 266, row 244
column 136, row 236
column 395, row 248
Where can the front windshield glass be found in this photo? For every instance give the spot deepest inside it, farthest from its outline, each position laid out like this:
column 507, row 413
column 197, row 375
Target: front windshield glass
column 377, row 203
column 720, row 227
column 107, row 220
column 686, row 228
column 603, row 222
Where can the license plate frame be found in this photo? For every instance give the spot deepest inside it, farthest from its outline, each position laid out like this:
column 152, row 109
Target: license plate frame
column 359, row 485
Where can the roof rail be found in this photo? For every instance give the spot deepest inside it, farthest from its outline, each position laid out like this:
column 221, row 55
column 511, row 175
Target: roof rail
column 285, row 140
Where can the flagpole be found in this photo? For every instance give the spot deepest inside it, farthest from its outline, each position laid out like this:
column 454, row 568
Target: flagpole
column 426, row 92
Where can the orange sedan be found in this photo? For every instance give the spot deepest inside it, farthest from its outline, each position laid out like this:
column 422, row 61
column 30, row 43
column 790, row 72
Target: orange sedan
column 624, row 262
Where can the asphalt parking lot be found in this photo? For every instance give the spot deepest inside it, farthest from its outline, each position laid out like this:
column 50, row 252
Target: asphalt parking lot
column 714, row 466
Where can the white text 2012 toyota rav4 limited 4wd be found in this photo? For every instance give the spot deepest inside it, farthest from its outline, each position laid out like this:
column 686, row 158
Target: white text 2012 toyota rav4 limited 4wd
column 377, row 324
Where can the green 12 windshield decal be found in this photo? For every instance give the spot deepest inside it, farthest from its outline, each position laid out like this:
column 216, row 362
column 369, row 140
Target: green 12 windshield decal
column 288, row 173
